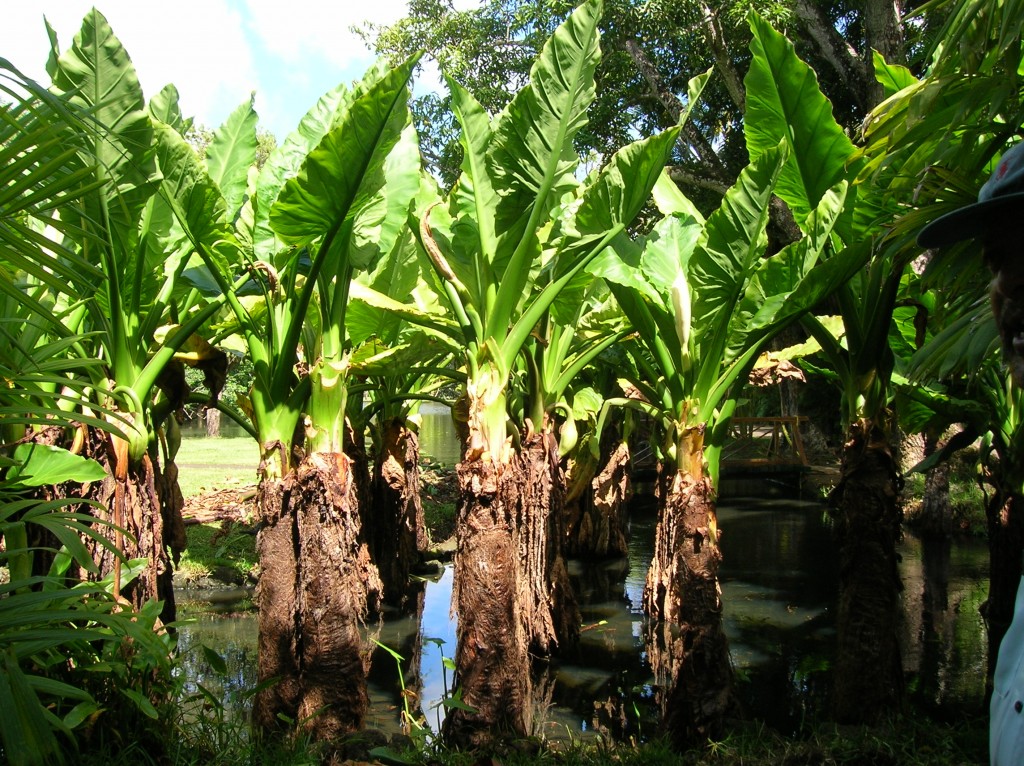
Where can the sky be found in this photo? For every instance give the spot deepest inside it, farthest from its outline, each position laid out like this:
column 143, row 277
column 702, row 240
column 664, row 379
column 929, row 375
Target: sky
column 217, row 52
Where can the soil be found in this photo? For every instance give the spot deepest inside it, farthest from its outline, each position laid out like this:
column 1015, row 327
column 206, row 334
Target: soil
column 232, row 504
column 438, row 488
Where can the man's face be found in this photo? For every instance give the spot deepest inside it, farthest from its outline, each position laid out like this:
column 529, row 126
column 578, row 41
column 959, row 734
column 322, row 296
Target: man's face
column 1004, row 254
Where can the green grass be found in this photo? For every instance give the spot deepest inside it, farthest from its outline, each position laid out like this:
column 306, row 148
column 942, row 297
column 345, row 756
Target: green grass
column 907, row 742
column 229, row 547
column 210, row 463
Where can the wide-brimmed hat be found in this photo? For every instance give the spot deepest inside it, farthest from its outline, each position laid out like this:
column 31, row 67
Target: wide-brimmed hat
column 1002, row 194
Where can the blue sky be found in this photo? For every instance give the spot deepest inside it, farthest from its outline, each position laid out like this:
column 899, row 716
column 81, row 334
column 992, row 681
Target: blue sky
column 289, row 52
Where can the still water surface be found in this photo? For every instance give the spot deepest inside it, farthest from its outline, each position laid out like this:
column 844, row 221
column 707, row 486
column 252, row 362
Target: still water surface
column 778, row 589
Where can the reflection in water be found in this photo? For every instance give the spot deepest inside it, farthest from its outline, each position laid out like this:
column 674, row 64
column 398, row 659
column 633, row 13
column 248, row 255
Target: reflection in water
column 779, row 586
column 438, row 441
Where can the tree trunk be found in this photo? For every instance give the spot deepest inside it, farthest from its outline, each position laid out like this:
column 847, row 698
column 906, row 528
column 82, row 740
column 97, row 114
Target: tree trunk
column 868, row 671
column 552, row 617
column 1006, row 543
column 936, row 508
column 492, row 661
column 212, row 422
column 395, row 526
column 596, row 504
column 145, row 501
column 687, row 643
column 278, row 671
column 315, row 582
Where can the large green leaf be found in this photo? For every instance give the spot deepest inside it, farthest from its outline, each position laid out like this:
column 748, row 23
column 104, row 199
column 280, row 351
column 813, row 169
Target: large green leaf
column 892, row 77
column 346, row 171
column 796, row 279
column 197, row 203
column 606, row 206
column 380, row 222
column 40, row 465
column 474, row 201
column 284, row 163
column 231, row 154
column 731, row 248
column 164, row 107
column 785, row 102
column 532, row 159
column 97, row 73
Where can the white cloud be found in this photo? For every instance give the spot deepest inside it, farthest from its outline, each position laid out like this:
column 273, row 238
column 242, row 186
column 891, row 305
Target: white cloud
column 217, row 51
column 198, row 46
column 299, row 29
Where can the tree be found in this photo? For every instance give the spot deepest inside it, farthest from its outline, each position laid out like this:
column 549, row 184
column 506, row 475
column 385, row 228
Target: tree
column 282, row 254
column 63, row 667
column 651, row 51
column 515, row 230
column 131, row 309
column 704, row 302
column 932, row 142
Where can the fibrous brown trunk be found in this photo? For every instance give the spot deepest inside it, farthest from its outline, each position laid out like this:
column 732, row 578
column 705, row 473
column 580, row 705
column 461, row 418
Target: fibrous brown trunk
column 868, row 670
column 315, row 583
column 492, row 661
column 687, row 643
column 145, row 501
column 552, row 617
column 395, row 525
column 936, row 508
column 598, row 491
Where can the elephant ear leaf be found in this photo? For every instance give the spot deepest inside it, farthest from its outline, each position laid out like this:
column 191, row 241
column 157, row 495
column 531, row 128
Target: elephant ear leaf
column 606, row 207
column 732, row 244
column 164, row 107
column 40, row 465
column 785, row 102
column 532, row 159
column 347, row 170
column 196, row 202
column 284, row 163
column 97, row 74
column 231, row 154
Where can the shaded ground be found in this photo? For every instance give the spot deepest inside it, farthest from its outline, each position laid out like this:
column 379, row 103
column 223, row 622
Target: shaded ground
column 438, row 493
column 231, row 504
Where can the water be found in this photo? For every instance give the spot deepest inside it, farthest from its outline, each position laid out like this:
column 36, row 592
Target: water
column 778, row 587
column 779, row 584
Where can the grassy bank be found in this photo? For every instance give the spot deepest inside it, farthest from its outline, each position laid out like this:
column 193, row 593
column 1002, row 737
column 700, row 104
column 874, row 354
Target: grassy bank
column 206, row 464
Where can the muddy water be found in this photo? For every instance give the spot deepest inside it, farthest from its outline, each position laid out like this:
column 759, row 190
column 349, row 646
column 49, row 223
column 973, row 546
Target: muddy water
column 778, row 588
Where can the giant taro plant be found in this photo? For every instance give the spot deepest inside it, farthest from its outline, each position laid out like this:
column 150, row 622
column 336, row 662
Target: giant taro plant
column 518, row 212
column 704, row 298
column 328, row 202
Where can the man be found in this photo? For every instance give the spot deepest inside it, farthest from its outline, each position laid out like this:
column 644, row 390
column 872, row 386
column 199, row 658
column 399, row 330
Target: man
column 996, row 220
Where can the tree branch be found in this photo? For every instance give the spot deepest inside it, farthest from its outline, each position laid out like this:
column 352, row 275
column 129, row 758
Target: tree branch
column 702, row 148
column 834, row 49
column 723, row 61
column 681, row 175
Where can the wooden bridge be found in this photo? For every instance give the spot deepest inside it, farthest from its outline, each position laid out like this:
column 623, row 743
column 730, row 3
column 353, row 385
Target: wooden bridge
column 768, row 448
column 769, row 445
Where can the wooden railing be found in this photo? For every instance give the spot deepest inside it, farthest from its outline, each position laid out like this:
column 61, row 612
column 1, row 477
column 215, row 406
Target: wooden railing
column 764, row 444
